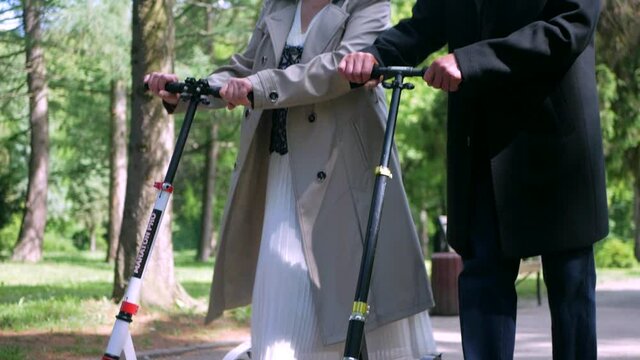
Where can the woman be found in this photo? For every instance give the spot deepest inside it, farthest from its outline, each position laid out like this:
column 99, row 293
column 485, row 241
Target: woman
column 292, row 233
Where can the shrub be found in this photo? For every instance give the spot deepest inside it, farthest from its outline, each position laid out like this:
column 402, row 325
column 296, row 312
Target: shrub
column 9, row 235
column 241, row 314
column 615, row 253
column 12, row 352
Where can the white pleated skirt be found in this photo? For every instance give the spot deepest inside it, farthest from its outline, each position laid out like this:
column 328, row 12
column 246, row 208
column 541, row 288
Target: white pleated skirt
column 283, row 322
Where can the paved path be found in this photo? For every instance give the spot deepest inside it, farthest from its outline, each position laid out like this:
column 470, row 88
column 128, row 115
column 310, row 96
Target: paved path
column 618, row 325
column 618, row 328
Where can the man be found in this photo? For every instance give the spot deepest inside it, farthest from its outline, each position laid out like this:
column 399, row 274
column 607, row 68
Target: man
column 525, row 161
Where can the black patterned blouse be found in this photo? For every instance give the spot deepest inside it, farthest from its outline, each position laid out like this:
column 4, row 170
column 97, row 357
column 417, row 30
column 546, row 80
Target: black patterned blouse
column 290, row 55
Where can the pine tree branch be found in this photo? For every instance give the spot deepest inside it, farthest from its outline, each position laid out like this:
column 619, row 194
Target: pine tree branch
column 10, row 9
column 14, row 136
column 14, row 92
column 10, row 55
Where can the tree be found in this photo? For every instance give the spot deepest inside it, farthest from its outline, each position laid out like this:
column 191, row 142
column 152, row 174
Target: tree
column 207, row 239
column 118, row 165
column 619, row 79
column 207, row 163
column 150, row 144
column 14, row 131
column 81, row 113
column 30, row 241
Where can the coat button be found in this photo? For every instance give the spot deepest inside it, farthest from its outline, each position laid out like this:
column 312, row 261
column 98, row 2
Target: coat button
column 273, row 96
column 312, row 117
column 321, row 175
column 263, row 60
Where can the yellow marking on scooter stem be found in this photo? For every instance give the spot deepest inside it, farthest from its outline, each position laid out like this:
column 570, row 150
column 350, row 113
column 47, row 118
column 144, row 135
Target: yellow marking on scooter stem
column 384, row 171
column 360, row 307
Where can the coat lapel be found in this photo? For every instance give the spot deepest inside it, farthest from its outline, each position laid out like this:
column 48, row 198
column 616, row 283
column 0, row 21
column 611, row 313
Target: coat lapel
column 279, row 25
column 324, row 28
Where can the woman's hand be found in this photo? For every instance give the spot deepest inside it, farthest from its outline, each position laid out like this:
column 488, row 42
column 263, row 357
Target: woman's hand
column 356, row 67
column 156, row 82
column 236, row 92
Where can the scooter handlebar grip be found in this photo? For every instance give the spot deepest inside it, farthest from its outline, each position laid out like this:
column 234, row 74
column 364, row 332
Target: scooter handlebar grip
column 391, row 71
column 175, row 87
column 387, row 72
column 180, row 87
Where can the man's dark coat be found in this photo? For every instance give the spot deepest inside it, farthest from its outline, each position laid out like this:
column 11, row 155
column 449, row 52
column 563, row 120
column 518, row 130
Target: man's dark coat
column 527, row 106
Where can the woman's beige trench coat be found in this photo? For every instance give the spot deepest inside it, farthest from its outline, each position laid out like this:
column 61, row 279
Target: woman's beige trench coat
column 334, row 139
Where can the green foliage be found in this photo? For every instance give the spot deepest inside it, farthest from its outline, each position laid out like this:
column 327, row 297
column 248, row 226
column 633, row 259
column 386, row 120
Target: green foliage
column 526, row 287
column 80, row 113
column 14, row 134
column 421, row 139
column 59, row 313
column 186, row 232
column 199, row 51
column 88, row 45
column 70, row 290
column 12, row 185
column 618, row 75
column 12, row 352
column 59, row 236
column 241, row 314
column 53, row 294
column 614, row 253
column 9, row 235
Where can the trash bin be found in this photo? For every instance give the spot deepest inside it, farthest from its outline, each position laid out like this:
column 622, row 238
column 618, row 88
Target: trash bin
column 445, row 268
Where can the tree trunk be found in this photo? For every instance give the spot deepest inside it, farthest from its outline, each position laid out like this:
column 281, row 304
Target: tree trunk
column 92, row 237
column 424, row 232
column 118, row 165
column 150, row 145
column 207, row 245
column 30, row 241
column 636, row 200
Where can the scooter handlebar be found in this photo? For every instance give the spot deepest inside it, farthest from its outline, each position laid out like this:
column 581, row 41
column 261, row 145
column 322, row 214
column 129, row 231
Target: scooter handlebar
column 391, row 71
column 180, row 87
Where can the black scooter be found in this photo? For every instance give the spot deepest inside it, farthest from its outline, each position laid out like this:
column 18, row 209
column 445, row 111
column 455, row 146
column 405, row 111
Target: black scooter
column 355, row 345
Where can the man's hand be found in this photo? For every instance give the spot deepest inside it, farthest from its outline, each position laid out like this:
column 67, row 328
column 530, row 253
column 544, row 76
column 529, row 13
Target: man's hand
column 356, row 67
column 157, row 81
column 236, row 92
column 444, row 74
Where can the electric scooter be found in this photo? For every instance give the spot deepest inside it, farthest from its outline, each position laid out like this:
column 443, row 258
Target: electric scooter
column 120, row 341
column 355, row 345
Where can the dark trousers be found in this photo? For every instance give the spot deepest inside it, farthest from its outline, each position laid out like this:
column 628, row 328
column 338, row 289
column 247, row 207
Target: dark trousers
column 488, row 299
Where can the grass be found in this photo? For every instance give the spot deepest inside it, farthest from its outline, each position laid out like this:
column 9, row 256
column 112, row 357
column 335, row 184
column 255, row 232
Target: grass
column 65, row 292
column 12, row 352
column 60, row 308
column 60, row 293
